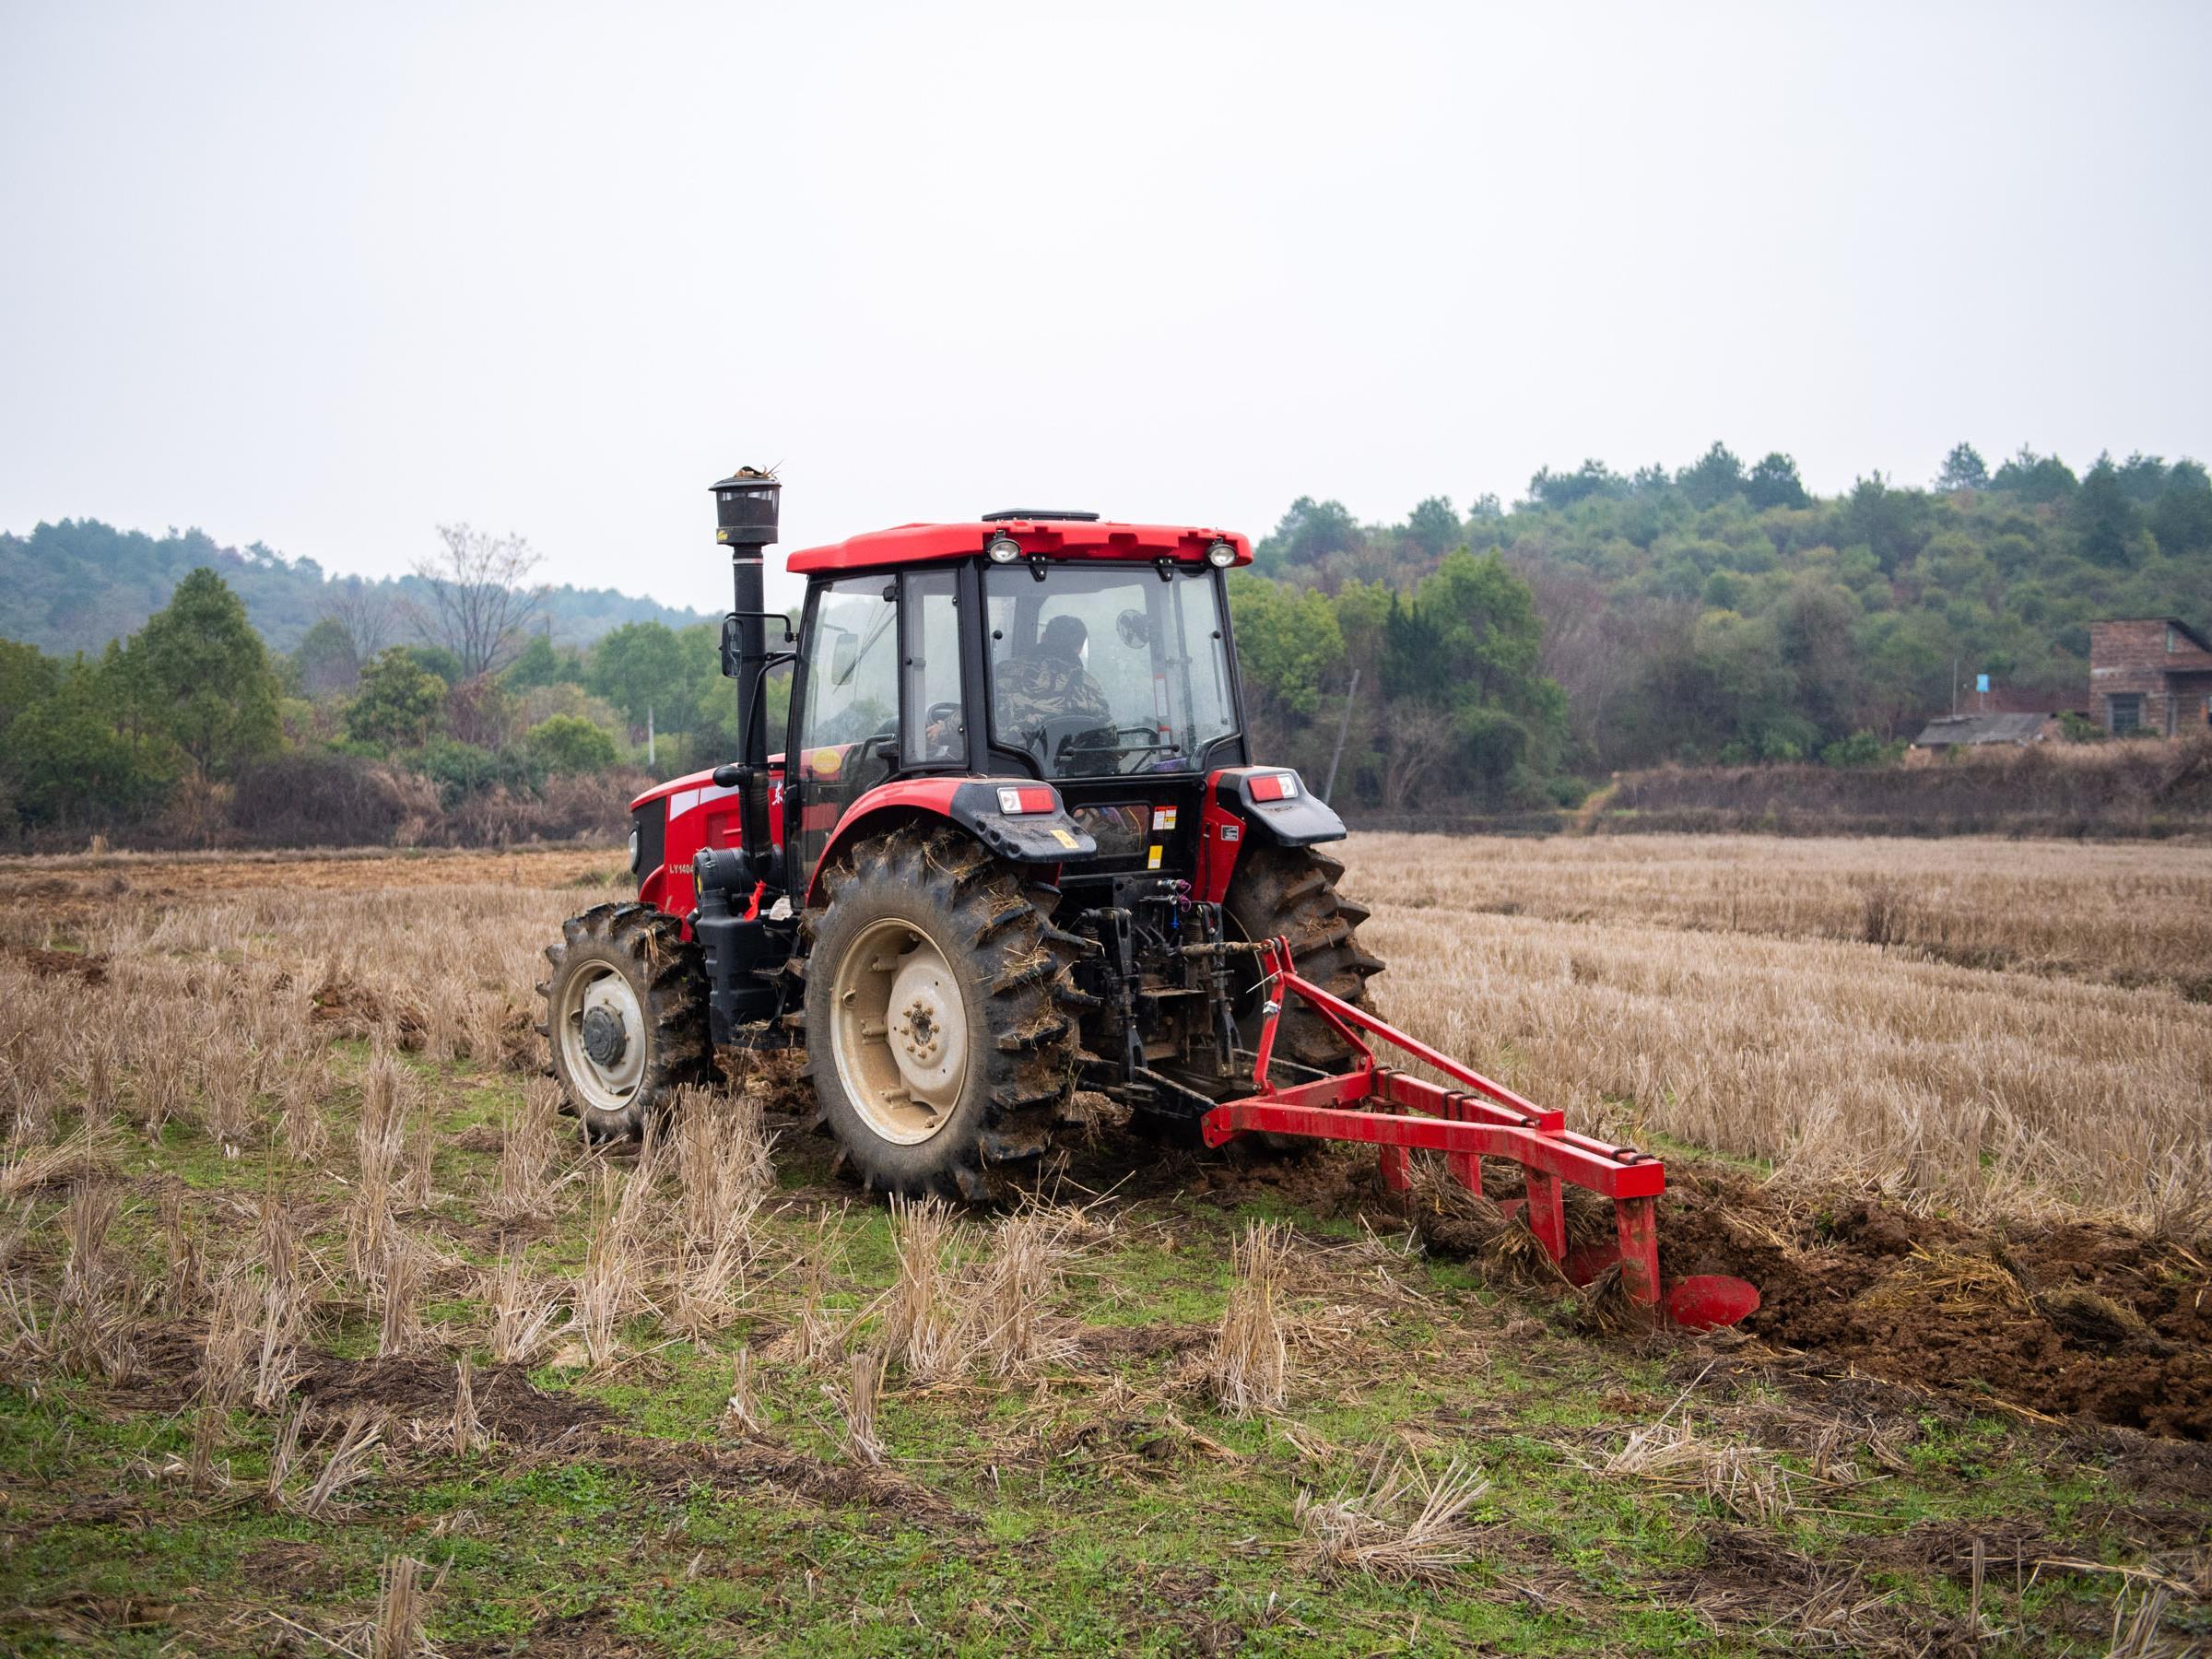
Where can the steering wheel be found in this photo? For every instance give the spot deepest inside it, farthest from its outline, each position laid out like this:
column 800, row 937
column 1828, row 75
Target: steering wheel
column 876, row 746
column 1057, row 741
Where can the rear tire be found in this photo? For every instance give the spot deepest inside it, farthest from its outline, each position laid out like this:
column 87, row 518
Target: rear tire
column 1290, row 892
column 940, row 1013
column 626, row 1018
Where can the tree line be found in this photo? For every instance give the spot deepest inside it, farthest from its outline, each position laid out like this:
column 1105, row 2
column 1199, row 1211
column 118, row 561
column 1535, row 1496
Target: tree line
column 453, row 717
column 1491, row 660
column 76, row 585
column 1718, row 612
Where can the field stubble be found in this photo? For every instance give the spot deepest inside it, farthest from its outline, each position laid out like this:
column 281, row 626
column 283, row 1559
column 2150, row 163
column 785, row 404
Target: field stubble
column 314, row 1319
column 1803, row 1002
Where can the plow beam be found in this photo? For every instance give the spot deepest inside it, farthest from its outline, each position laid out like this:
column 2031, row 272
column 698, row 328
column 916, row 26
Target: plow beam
column 1472, row 1119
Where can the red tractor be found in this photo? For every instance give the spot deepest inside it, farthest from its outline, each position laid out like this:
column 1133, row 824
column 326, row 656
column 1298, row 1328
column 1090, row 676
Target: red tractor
column 1015, row 844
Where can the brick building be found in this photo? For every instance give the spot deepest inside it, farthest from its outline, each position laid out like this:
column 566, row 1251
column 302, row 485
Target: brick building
column 2153, row 675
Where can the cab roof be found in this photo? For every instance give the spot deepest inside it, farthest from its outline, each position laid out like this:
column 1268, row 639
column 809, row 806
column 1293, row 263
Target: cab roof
column 1054, row 538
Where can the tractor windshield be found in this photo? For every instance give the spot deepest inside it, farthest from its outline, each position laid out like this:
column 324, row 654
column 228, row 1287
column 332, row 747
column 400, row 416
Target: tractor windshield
column 1100, row 670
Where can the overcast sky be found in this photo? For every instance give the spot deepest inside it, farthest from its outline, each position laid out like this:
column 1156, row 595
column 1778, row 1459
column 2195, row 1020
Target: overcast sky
column 323, row 276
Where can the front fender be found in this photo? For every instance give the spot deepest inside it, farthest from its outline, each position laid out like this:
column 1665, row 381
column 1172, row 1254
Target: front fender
column 1049, row 838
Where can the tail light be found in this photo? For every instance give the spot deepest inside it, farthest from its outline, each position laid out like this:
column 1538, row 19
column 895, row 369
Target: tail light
column 1016, row 800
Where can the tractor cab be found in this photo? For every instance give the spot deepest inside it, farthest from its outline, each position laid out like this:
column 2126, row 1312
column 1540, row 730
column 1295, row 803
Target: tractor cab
column 1092, row 659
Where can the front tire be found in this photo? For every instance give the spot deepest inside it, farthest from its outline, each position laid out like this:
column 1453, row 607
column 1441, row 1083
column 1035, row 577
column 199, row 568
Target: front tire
column 626, row 1018
column 940, row 1014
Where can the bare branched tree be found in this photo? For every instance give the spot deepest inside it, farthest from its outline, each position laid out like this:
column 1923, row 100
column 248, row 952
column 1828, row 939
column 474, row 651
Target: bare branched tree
column 364, row 612
column 482, row 601
column 1420, row 743
column 1597, row 646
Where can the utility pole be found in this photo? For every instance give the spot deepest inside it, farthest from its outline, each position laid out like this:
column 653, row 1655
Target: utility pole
column 1328, row 789
column 650, row 758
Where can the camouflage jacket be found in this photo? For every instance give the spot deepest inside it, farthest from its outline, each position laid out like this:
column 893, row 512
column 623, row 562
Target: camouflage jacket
column 1033, row 690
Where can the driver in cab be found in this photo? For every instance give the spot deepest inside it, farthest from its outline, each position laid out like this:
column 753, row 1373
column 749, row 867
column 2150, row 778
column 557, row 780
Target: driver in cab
column 1050, row 682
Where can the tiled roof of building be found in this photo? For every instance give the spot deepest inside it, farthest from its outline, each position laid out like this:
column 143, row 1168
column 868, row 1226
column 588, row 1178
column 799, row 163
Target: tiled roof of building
column 1953, row 729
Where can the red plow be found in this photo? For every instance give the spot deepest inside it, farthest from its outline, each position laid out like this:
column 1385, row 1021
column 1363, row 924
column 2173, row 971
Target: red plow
column 1399, row 1113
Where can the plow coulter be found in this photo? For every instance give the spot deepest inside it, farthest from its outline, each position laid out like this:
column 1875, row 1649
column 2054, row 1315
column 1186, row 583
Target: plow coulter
column 1467, row 1119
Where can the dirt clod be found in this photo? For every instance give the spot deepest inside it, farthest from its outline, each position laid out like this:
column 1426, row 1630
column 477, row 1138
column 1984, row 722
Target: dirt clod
column 2078, row 1319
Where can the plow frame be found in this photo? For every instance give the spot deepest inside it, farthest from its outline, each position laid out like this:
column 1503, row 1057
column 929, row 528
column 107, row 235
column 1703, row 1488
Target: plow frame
column 1398, row 1114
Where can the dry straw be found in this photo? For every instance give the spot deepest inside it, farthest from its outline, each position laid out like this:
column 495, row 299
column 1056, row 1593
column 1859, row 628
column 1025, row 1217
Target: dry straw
column 528, row 1151
column 1403, row 1525
column 348, row 1465
column 224, row 1355
column 1249, row 1366
column 402, row 1608
column 467, row 1432
column 743, row 1407
column 400, row 1327
column 94, row 1309
column 522, row 1312
column 856, row 1405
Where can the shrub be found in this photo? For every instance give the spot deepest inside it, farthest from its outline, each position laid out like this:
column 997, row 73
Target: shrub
column 567, row 743
column 321, row 798
column 462, row 770
column 1861, row 748
column 399, row 702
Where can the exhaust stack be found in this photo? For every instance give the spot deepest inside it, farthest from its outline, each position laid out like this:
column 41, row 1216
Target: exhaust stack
column 746, row 505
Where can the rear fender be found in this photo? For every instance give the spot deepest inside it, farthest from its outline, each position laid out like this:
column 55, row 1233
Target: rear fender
column 1046, row 838
column 1234, row 816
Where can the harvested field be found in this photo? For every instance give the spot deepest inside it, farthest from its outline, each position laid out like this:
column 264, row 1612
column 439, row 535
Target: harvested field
column 319, row 1332
column 1804, row 1001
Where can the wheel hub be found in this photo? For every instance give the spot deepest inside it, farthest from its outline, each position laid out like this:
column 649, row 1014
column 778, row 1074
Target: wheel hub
column 605, row 1037
column 917, row 1030
column 601, row 1028
column 900, row 1032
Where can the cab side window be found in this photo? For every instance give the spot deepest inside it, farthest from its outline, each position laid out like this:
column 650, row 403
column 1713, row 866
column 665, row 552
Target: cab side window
column 849, row 723
column 936, row 727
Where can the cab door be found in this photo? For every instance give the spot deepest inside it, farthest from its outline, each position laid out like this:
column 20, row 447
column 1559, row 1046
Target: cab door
column 933, row 711
column 878, row 695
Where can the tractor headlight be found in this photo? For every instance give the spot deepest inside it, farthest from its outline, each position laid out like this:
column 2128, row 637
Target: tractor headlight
column 633, row 852
column 1003, row 549
column 1221, row 555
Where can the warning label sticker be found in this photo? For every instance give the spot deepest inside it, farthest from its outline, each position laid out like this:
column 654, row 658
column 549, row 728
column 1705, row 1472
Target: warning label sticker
column 1152, row 859
column 1163, row 818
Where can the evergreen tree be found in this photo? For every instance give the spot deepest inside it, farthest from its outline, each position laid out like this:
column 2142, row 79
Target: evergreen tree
column 1774, row 483
column 1963, row 469
column 2033, row 477
column 1433, row 528
column 325, row 661
column 2109, row 523
column 203, row 662
column 638, row 666
column 2182, row 519
column 1712, row 479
